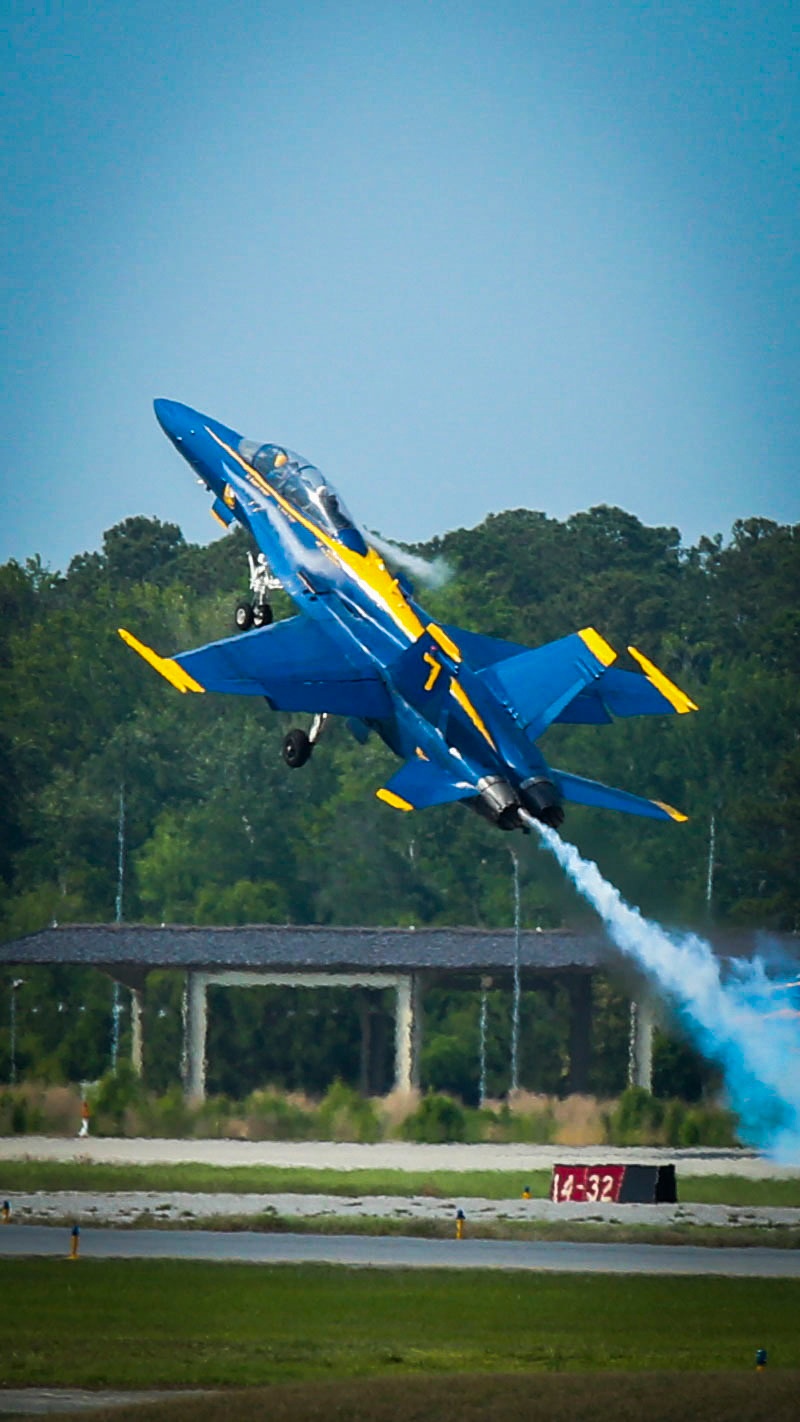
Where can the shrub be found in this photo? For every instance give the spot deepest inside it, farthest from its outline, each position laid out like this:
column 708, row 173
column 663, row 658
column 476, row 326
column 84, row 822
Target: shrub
column 116, row 1094
column 437, row 1119
column 636, row 1119
column 708, row 1126
column 271, row 1116
column 166, row 1115
column 639, row 1119
column 344, row 1115
column 211, row 1119
column 20, row 1111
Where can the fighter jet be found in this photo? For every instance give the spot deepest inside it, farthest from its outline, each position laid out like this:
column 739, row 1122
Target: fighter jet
column 463, row 711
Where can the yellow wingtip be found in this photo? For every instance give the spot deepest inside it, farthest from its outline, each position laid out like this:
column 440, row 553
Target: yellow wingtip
column 598, row 646
column 396, row 801
column 165, row 666
column 672, row 812
column 678, row 699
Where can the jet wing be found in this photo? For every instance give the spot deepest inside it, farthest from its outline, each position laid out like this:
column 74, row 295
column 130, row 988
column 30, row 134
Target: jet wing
column 294, row 664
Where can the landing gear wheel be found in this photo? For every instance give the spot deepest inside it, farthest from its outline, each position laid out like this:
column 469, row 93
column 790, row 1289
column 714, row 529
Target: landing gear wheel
column 296, row 749
column 262, row 614
column 244, row 616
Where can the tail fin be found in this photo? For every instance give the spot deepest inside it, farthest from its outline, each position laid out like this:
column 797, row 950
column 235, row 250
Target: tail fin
column 538, row 685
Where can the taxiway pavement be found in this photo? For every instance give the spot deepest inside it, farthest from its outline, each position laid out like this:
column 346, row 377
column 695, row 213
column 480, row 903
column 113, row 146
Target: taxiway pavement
column 399, row 1252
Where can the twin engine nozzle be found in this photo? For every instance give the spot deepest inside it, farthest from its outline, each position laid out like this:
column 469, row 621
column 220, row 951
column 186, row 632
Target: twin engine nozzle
column 501, row 803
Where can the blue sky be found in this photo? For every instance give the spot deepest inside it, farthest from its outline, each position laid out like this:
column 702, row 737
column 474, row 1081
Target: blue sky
column 465, row 257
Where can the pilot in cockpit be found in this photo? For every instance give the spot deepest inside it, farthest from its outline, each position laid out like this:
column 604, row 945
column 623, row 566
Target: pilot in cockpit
column 274, row 463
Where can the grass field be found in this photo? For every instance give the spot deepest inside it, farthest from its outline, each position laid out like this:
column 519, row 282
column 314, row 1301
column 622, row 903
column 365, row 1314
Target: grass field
column 520, row 1397
column 147, row 1323
column 24, row 1176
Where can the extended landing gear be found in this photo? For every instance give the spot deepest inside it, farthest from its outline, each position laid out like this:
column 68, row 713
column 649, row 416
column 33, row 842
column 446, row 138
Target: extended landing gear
column 249, row 614
column 297, row 749
column 257, row 612
column 297, row 745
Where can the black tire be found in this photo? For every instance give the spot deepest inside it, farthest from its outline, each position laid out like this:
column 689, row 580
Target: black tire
column 296, row 749
column 243, row 616
column 262, row 614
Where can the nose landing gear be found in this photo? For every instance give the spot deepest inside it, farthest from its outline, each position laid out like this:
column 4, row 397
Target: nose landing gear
column 257, row 612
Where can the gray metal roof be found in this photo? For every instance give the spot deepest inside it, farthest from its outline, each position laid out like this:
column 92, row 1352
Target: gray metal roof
column 291, row 947
column 280, row 948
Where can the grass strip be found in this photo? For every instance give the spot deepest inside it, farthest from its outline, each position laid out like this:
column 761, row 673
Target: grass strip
column 26, row 1176
column 151, row 1323
column 269, row 1221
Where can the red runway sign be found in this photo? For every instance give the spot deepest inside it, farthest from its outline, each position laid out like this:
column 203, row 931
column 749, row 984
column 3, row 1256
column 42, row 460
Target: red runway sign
column 613, row 1184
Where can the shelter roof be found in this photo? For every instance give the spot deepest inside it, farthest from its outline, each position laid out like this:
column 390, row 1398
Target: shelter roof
column 292, row 948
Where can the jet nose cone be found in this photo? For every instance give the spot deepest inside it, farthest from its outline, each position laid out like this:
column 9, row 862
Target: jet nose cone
column 170, row 415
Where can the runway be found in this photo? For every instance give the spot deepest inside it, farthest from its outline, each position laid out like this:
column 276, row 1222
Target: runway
column 400, row 1252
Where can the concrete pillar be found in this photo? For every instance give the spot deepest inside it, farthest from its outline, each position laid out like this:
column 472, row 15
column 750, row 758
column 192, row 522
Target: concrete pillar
column 579, row 987
column 407, row 1033
column 640, row 1044
column 137, row 1038
column 365, row 1072
column 194, row 1028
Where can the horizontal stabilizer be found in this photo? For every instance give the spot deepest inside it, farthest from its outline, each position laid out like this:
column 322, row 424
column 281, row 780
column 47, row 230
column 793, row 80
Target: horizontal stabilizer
column 604, row 797
column 537, row 685
column 294, row 664
column 623, row 693
column 419, row 784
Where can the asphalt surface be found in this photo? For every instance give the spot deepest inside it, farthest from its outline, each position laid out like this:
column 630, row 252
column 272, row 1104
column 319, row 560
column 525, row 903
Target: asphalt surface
column 400, row 1252
column 39, row 1401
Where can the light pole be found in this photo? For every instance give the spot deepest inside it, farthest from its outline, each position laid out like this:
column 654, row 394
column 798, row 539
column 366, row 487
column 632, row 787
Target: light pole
column 116, row 1005
column 486, row 983
column 16, row 984
column 516, row 994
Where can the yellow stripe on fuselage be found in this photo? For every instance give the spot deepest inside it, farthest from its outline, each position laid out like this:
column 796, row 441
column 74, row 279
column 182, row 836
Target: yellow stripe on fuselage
column 673, row 694
column 466, row 705
column 169, row 669
column 371, row 573
column 446, row 643
column 367, row 568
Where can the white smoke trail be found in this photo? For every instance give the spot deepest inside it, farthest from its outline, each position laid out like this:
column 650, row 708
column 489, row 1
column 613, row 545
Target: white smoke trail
column 735, row 1013
column 434, row 573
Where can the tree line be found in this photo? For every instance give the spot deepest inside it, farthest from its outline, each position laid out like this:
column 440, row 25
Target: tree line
column 218, row 830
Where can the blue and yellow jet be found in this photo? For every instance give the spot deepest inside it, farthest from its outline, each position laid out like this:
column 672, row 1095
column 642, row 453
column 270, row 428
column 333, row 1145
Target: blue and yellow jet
column 462, row 711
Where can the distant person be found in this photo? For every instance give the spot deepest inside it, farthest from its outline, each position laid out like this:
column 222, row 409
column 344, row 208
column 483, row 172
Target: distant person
column 84, row 1130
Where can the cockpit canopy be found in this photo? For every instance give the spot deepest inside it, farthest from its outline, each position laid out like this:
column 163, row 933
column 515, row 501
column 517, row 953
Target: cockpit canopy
column 305, row 488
